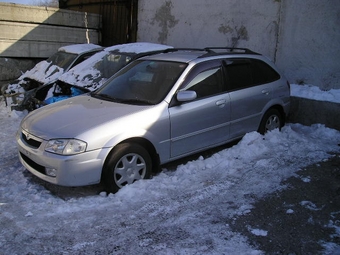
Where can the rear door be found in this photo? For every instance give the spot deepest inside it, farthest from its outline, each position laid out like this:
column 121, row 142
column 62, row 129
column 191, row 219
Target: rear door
column 250, row 82
column 203, row 122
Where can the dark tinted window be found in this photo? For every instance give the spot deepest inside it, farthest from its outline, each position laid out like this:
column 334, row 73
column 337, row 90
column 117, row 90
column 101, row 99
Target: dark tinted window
column 239, row 73
column 243, row 73
column 263, row 73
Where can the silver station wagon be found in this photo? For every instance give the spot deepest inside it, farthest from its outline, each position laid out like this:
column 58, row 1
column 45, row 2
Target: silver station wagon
column 155, row 110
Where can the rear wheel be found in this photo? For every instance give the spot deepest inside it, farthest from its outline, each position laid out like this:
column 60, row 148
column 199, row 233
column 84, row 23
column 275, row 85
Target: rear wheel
column 127, row 163
column 271, row 120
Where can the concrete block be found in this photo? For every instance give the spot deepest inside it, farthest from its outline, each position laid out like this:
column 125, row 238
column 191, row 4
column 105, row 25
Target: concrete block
column 36, row 32
column 26, row 49
column 48, row 15
column 308, row 112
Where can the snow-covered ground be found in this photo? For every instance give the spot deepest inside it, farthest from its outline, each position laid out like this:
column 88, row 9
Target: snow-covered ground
column 179, row 211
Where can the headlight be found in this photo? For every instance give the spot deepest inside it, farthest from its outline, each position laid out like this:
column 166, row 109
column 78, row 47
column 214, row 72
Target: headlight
column 65, row 146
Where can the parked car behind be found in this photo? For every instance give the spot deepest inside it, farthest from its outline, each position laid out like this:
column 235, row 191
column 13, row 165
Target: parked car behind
column 156, row 109
column 49, row 70
column 90, row 74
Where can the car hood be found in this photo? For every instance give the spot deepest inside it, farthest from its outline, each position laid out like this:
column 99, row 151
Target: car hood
column 72, row 117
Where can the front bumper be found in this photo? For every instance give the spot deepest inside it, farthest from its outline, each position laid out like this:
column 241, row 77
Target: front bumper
column 76, row 170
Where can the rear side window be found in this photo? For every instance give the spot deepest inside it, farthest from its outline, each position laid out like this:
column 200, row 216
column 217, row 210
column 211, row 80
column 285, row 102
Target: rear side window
column 239, row 73
column 244, row 73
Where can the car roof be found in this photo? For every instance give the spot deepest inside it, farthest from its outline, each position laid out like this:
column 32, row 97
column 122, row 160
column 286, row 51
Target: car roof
column 189, row 54
column 80, row 48
column 138, row 47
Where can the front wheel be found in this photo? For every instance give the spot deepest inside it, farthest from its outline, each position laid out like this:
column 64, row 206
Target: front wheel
column 271, row 120
column 127, row 163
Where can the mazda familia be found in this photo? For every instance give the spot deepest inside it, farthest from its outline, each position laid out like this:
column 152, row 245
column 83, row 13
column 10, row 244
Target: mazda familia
column 156, row 109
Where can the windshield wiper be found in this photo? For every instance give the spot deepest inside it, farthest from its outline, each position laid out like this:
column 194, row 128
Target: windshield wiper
column 136, row 101
column 104, row 96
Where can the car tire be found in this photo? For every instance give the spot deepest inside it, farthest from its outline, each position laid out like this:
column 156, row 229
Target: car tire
column 127, row 163
column 271, row 120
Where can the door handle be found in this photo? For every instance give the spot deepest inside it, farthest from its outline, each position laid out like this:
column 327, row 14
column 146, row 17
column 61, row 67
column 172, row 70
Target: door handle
column 221, row 103
column 266, row 92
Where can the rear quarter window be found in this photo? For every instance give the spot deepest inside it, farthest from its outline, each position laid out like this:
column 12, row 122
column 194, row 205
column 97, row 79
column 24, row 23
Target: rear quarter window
column 262, row 73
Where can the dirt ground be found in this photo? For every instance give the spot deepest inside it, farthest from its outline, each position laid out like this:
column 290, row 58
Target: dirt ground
column 299, row 219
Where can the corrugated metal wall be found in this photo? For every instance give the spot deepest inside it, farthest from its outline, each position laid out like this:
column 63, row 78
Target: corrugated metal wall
column 119, row 18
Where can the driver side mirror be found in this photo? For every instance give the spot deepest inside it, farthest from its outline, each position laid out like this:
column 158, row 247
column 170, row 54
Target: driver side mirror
column 185, row 96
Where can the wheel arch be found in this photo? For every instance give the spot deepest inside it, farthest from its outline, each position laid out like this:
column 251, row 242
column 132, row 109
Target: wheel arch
column 144, row 143
column 281, row 111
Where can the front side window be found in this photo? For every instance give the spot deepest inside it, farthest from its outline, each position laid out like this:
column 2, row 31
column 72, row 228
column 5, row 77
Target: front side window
column 141, row 82
column 205, row 79
column 206, row 83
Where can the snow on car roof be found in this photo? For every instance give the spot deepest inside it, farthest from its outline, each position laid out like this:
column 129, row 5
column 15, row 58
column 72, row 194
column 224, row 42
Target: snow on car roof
column 138, row 47
column 85, row 73
column 79, row 48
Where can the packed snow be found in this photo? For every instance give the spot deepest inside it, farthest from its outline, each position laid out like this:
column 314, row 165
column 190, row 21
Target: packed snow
column 182, row 210
column 79, row 48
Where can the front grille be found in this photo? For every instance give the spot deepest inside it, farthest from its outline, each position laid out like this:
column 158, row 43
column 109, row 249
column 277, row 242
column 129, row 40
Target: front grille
column 31, row 141
column 32, row 164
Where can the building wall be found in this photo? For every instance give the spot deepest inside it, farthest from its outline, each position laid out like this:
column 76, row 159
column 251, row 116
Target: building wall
column 309, row 42
column 301, row 37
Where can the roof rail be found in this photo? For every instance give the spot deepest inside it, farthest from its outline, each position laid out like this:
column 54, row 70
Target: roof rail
column 231, row 49
column 185, row 49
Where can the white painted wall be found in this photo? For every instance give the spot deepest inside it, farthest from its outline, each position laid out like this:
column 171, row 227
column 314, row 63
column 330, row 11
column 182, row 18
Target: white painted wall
column 309, row 42
column 302, row 37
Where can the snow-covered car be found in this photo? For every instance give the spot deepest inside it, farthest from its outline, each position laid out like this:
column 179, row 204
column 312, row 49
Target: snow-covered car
column 49, row 70
column 155, row 110
column 90, row 74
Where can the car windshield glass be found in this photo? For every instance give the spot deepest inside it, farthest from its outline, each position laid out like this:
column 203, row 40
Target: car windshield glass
column 142, row 82
column 62, row 59
column 111, row 63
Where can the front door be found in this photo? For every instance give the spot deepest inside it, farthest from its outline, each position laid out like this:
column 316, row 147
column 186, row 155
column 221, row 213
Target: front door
column 203, row 122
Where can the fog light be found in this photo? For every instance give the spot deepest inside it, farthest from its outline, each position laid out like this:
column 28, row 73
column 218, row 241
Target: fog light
column 51, row 172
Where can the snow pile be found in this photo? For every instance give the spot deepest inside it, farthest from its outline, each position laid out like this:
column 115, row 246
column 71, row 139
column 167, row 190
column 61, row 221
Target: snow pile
column 315, row 93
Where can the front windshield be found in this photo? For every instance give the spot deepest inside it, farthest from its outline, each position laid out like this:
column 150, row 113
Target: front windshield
column 94, row 71
column 142, row 82
column 111, row 63
column 62, row 59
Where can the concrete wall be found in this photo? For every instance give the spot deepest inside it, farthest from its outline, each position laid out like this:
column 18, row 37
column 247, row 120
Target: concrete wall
column 309, row 42
column 307, row 112
column 302, row 37
column 37, row 32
